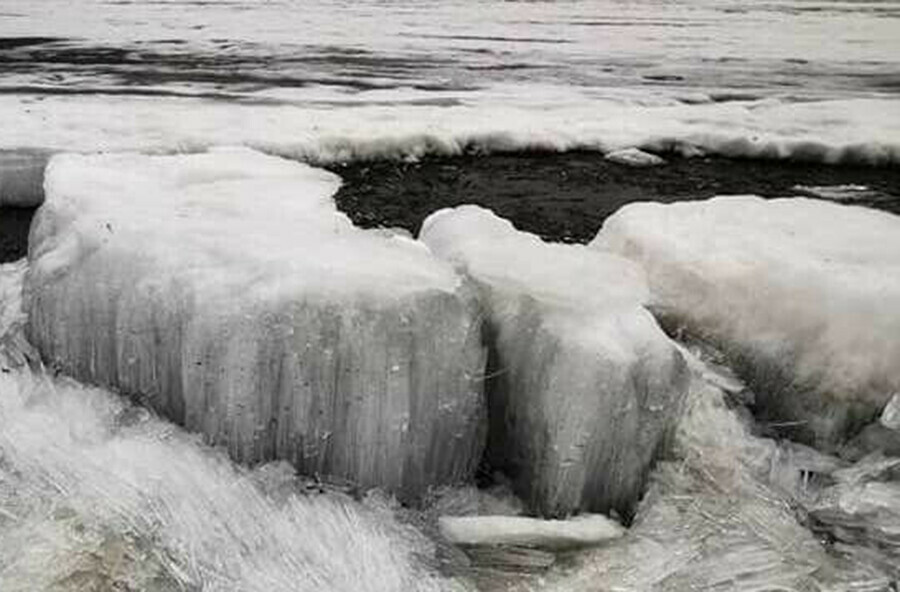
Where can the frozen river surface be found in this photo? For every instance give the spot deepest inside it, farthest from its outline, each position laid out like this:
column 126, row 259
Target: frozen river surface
column 814, row 79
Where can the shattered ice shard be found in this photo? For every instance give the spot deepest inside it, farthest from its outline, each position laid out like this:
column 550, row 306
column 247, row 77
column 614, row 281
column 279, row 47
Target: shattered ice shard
column 802, row 294
column 582, row 383
column 226, row 291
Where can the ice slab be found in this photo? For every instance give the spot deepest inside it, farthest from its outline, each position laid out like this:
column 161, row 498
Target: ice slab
column 579, row 531
column 22, row 177
column 582, row 383
column 226, row 290
column 801, row 293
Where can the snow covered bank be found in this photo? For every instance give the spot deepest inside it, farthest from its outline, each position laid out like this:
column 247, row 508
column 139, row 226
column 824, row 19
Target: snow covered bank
column 96, row 494
column 802, row 294
column 862, row 131
column 226, row 290
column 583, row 385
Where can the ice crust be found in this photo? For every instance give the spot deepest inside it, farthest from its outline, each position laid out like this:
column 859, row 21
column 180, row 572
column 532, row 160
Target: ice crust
column 801, row 293
column 226, row 291
column 582, row 383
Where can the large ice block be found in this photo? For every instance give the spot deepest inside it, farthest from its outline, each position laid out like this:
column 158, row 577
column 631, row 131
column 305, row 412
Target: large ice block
column 226, row 290
column 582, row 383
column 804, row 296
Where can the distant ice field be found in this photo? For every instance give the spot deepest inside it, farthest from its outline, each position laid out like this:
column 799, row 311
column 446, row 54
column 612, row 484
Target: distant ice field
column 815, row 80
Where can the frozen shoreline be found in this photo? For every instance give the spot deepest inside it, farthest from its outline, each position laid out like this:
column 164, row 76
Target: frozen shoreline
column 559, row 196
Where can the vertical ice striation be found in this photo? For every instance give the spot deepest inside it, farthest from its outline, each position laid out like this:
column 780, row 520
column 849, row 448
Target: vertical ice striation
column 802, row 294
column 583, row 385
column 226, row 291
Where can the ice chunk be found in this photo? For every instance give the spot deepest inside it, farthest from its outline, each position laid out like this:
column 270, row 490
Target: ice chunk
column 226, row 290
column 863, row 509
column 582, row 383
column 579, row 531
column 802, row 294
column 22, row 177
column 890, row 415
column 724, row 517
column 634, row 157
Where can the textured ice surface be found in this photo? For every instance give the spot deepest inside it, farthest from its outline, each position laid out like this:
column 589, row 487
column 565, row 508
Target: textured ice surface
column 582, row 382
column 226, row 291
column 861, row 511
column 96, row 494
column 801, row 293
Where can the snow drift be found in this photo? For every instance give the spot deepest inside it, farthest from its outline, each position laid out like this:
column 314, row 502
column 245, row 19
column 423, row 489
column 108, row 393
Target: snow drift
column 802, row 295
column 583, row 385
column 226, row 291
